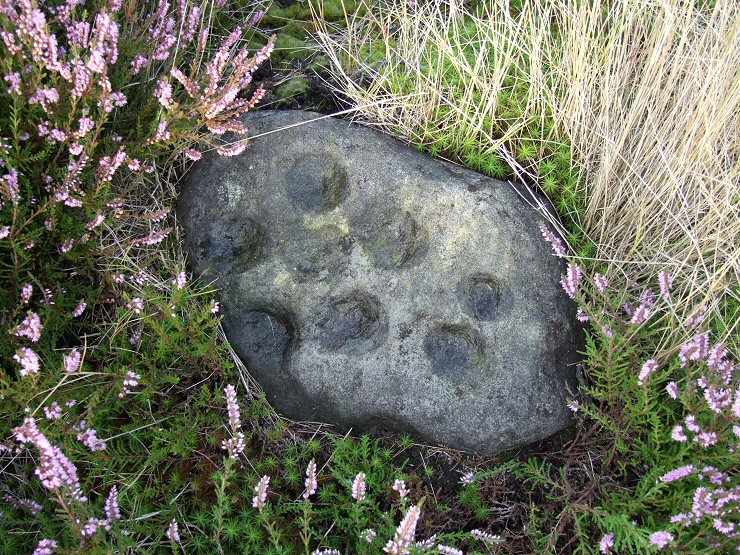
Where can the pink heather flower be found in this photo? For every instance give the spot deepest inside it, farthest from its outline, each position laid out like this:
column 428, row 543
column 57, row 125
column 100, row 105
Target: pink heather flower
column 194, row 154
column 405, row 532
column 55, row 471
column 678, row 434
column 485, row 537
column 180, row 280
column 163, row 93
column 641, row 315
column 677, row 474
column 691, row 424
column 736, row 405
column 554, row 240
column 400, row 487
column 607, row 543
column 112, row 512
column 30, row 327
column 233, row 407
column 647, row 298
column 54, row 412
column 368, row 535
column 67, row 245
column 447, row 550
column 22, row 504
column 162, row 133
column 648, row 368
column 78, row 33
column 138, row 63
column 131, row 380
column 358, row 487
column 215, row 308
column 231, row 150
column 15, row 83
column 9, row 186
column 661, row 538
column 45, row 97
column 256, row 17
column 28, row 360
column 136, row 304
column 152, row 239
column 260, row 499
column 82, row 79
column 173, row 533
column 581, row 316
column 694, row 350
column 95, row 222
column 45, row 547
column 468, row 478
column 235, row 445
column 108, row 166
column 672, row 390
column 574, row 405
column 72, row 361
column 135, row 337
column 26, row 292
column 4, row 232
column 716, row 358
column 311, row 482
column 665, row 280
column 725, row 528
column 90, row 527
column 79, row 309
column 706, row 439
column 718, row 398
column 572, row 280
column 601, row 282
column 89, row 439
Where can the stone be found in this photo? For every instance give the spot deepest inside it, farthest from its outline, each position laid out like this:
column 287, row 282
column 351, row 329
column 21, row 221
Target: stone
column 367, row 285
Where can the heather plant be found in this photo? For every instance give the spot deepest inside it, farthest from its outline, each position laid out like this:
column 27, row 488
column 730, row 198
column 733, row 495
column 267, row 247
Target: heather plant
column 93, row 103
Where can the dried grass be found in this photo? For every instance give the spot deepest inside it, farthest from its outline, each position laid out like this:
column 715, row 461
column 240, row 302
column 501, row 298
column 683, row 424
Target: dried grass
column 647, row 93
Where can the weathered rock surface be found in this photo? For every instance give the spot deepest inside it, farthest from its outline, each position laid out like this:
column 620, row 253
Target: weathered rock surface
column 370, row 286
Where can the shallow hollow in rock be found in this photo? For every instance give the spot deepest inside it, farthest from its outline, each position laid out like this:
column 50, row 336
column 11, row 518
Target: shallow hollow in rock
column 370, row 286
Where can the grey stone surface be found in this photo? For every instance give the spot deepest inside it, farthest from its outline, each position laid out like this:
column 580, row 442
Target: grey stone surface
column 370, row 286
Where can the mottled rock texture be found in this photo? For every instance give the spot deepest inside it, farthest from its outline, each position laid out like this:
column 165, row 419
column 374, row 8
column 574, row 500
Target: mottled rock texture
column 370, row 286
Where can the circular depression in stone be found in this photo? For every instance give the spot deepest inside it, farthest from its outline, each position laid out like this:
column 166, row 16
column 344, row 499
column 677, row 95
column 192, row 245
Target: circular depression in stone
column 237, row 243
column 267, row 337
column 481, row 296
column 453, row 348
column 352, row 323
column 317, row 182
column 393, row 240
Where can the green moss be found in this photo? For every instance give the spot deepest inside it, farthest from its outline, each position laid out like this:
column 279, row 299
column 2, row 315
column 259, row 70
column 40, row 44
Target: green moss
column 291, row 89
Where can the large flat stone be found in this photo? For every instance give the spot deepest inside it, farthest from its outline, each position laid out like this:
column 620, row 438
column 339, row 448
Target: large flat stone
column 368, row 285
